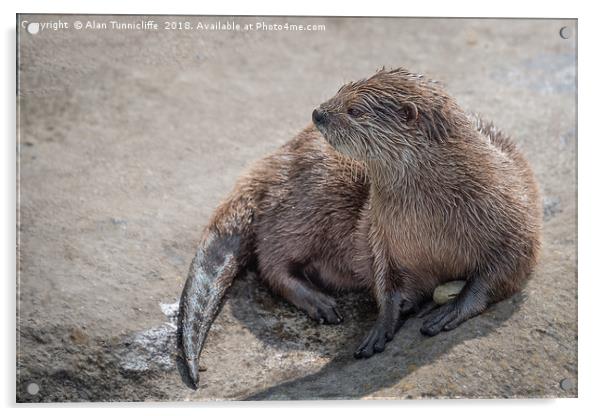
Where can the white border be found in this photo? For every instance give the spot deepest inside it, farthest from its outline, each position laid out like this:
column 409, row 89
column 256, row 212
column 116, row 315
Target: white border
column 589, row 196
column 467, row 8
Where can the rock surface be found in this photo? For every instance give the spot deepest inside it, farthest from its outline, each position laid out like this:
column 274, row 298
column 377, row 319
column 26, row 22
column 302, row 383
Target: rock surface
column 128, row 140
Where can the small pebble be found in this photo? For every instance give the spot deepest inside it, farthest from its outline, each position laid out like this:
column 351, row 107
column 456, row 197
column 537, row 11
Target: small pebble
column 448, row 291
column 567, row 384
column 33, row 389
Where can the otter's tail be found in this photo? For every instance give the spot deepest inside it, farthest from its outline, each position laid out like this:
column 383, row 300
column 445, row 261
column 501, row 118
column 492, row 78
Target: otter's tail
column 225, row 248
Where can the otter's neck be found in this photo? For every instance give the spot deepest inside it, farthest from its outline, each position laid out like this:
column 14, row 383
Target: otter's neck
column 429, row 172
column 398, row 175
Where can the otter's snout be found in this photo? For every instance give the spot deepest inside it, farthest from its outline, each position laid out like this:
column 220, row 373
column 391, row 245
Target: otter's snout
column 318, row 116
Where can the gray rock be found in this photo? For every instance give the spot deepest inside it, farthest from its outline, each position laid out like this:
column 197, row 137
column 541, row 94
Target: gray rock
column 567, row 384
column 551, row 207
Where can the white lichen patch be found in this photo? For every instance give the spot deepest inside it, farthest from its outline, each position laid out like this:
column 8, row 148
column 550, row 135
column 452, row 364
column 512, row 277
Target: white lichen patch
column 170, row 310
column 154, row 348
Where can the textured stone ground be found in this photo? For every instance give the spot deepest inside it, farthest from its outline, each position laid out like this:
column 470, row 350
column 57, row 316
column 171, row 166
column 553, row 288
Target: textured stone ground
column 129, row 139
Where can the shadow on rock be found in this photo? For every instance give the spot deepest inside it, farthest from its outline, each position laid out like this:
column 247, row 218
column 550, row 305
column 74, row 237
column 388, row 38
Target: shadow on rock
column 282, row 327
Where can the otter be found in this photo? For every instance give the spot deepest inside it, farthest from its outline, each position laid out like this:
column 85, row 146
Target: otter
column 393, row 190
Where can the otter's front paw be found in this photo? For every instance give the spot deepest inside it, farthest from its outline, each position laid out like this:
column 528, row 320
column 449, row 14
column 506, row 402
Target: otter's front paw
column 452, row 314
column 375, row 341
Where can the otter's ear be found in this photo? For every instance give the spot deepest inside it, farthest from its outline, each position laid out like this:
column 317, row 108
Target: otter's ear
column 409, row 112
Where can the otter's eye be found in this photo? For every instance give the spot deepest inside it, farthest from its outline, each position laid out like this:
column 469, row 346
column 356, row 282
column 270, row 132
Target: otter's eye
column 354, row 112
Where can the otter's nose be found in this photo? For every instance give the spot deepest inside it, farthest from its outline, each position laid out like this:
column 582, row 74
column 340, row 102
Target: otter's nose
column 318, row 116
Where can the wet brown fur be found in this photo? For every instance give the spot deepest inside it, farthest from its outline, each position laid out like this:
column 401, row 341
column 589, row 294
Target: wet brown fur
column 397, row 191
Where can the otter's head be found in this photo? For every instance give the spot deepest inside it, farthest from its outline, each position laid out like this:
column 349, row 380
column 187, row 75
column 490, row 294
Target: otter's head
column 386, row 116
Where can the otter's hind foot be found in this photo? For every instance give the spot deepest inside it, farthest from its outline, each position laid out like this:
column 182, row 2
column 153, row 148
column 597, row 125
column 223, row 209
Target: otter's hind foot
column 469, row 303
column 321, row 308
column 304, row 295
